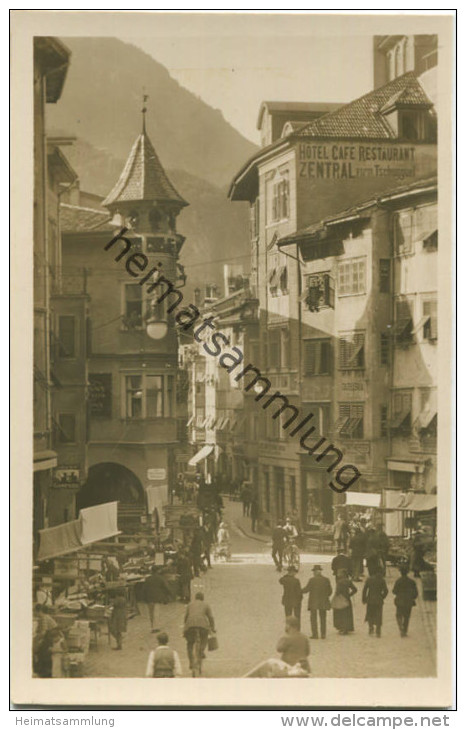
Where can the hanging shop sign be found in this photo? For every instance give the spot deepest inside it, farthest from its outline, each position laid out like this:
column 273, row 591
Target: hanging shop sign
column 66, row 476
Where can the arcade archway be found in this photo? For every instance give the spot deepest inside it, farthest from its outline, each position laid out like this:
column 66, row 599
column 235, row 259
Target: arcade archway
column 110, row 482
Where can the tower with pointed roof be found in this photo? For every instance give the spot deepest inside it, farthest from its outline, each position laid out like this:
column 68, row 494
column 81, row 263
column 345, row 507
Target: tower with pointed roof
column 144, row 199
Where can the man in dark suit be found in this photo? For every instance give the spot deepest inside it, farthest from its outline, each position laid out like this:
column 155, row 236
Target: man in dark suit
column 405, row 590
column 292, row 594
column 278, row 543
column 320, row 590
column 342, row 562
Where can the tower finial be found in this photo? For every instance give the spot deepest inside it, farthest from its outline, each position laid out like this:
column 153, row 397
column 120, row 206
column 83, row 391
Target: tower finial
column 144, row 109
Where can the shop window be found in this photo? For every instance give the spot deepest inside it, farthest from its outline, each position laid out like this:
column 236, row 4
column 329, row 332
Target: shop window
column 350, row 422
column 429, row 319
column 384, row 348
column 278, row 281
column 134, row 396
column 67, row 336
column 417, row 125
column 154, row 396
column 403, row 329
column 403, row 231
column 132, row 306
column 255, row 219
column 67, row 428
column 401, row 412
column 200, row 418
column 149, row 396
column 280, row 200
column 318, row 357
column 384, row 276
column 352, row 277
column 100, row 394
column 320, row 292
column 351, row 352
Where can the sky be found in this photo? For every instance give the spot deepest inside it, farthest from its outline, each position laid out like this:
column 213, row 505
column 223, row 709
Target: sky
column 235, row 62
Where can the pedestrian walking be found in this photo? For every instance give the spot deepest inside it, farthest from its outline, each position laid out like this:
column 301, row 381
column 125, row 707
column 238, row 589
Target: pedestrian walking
column 417, row 553
column 341, row 603
column 254, row 512
column 155, row 592
column 340, row 534
column 292, row 593
column 294, row 646
column 373, row 595
column 196, row 550
column 206, row 546
column 320, row 590
column 383, row 546
column 278, row 544
column 163, row 661
column 118, row 619
column 185, row 573
column 290, row 529
column 341, row 562
column 245, row 496
column 358, row 549
column 405, row 590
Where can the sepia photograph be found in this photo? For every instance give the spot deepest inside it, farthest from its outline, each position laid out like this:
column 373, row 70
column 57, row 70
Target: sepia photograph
column 238, row 459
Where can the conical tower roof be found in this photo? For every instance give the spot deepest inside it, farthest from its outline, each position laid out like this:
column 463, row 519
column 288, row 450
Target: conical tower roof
column 143, row 178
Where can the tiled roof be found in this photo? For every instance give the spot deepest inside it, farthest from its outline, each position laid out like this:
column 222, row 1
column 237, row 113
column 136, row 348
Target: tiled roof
column 362, row 118
column 143, row 177
column 76, row 219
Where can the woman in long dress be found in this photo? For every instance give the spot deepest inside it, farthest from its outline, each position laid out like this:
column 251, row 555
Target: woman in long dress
column 343, row 617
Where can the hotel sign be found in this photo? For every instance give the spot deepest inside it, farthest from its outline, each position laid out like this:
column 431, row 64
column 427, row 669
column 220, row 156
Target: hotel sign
column 343, row 161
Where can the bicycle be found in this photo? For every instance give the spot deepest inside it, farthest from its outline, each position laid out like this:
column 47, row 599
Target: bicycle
column 291, row 555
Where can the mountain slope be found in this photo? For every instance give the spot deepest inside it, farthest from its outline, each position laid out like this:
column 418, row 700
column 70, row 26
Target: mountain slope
column 102, row 100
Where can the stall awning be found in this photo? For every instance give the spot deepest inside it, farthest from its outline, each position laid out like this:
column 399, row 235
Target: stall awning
column 413, row 502
column 202, row 454
column 363, row 499
column 99, row 522
column 411, row 466
column 59, row 540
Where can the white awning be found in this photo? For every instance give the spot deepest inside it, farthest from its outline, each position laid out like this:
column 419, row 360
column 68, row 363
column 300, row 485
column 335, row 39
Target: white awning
column 363, row 499
column 99, row 522
column 412, row 502
column 202, row 454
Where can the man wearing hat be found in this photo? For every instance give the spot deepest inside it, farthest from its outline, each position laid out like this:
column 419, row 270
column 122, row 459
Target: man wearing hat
column 320, row 590
column 292, row 594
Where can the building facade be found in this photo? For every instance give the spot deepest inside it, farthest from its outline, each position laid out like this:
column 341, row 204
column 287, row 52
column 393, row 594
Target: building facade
column 51, row 60
column 134, row 427
column 319, row 331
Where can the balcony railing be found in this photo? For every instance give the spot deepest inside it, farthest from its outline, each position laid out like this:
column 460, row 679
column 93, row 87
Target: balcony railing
column 68, row 281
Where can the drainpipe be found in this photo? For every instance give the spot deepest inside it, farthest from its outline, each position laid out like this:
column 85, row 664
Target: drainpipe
column 300, row 327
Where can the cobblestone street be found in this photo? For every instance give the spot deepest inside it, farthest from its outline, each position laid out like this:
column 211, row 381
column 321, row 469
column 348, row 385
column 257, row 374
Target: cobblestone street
column 246, row 601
